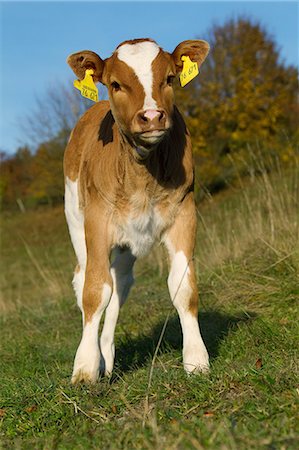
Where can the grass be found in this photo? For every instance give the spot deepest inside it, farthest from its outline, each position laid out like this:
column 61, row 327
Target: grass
column 247, row 261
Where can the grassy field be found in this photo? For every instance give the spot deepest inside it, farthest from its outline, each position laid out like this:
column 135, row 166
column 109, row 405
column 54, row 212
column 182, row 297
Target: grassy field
column 247, row 261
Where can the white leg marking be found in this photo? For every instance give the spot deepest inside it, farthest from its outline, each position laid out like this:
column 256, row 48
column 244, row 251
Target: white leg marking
column 195, row 355
column 121, row 272
column 87, row 360
column 140, row 57
column 75, row 220
column 178, row 284
column 78, row 285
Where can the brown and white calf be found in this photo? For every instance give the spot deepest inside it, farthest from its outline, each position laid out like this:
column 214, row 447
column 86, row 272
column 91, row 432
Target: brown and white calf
column 128, row 184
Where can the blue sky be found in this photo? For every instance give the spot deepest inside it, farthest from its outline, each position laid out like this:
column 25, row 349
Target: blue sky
column 36, row 37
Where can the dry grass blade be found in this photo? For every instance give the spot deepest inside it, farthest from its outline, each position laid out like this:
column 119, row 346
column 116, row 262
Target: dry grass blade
column 34, row 261
column 77, row 408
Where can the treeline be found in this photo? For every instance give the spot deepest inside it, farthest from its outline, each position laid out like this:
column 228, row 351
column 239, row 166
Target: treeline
column 29, row 179
column 242, row 112
column 34, row 174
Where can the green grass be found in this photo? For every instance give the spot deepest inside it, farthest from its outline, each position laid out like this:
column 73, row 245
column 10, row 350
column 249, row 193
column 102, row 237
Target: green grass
column 247, row 261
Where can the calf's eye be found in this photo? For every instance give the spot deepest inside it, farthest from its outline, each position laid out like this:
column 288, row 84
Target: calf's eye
column 115, row 86
column 170, row 80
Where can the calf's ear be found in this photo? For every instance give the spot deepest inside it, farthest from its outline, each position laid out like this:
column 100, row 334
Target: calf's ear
column 196, row 50
column 81, row 61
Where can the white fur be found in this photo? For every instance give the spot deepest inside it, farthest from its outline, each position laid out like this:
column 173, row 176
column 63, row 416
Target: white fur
column 75, row 220
column 141, row 231
column 139, row 57
column 178, row 283
column 195, row 355
column 78, row 285
column 87, row 360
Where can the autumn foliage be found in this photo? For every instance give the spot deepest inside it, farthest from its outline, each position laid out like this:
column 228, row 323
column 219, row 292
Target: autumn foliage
column 31, row 179
column 243, row 106
column 242, row 110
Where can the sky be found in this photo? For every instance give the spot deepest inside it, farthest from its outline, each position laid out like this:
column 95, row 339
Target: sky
column 36, row 38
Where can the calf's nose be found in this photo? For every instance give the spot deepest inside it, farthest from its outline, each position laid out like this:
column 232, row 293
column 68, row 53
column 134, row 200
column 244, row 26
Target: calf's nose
column 152, row 113
column 151, row 119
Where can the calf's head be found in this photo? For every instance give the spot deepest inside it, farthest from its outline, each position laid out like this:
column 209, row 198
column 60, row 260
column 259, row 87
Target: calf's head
column 139, row 77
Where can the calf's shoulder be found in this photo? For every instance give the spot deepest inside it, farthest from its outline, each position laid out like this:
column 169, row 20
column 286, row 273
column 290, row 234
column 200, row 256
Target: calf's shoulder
column 83, row 137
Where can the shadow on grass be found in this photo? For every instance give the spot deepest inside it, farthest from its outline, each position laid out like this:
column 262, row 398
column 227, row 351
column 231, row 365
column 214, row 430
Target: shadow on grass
column 135, row 353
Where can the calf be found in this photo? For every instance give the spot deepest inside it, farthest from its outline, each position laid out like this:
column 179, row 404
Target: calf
column 128, row 184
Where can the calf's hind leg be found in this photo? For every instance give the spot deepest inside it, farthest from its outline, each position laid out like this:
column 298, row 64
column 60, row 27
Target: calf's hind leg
column 180, row 241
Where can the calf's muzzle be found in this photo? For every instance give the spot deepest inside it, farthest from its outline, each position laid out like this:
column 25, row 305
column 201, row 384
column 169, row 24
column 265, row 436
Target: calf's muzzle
column 151, row 120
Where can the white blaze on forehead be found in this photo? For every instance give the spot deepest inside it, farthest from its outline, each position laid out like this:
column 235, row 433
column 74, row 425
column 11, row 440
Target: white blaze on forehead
column 139, row 57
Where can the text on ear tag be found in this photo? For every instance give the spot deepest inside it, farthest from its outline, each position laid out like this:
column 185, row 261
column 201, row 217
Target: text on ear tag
column 189, row 71
column 87, row 87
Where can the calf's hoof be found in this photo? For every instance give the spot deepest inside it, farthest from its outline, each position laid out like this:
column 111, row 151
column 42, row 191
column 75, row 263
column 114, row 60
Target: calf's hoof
column 196, row 361
column 81, row 376
column 86, row 366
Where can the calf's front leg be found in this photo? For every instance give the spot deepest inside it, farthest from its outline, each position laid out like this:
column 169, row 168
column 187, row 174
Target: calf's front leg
column 180, row 241
column 96, row 296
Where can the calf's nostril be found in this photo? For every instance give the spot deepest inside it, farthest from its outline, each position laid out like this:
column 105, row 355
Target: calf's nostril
column 142, row 118
column 162, row 116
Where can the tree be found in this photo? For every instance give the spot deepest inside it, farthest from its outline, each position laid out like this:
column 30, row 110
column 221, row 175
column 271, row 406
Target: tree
column 33, row 176
column 15, row 176
column 244, row 101
column 30, row 179
column 56, row 113
column 47, row 184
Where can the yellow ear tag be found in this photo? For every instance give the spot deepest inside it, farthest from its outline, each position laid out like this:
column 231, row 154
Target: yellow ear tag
column 87, row 87
column 189, row 71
